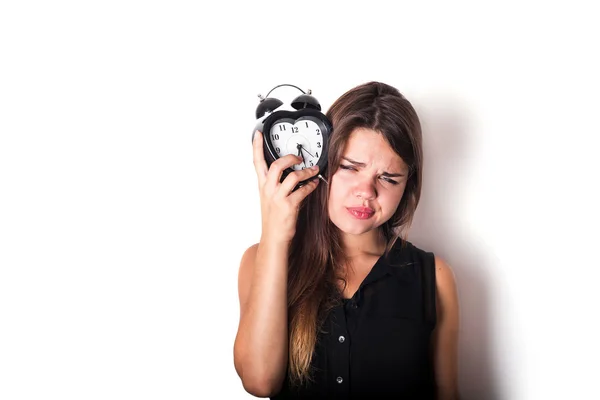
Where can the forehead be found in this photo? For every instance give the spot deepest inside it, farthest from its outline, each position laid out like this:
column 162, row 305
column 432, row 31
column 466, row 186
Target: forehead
column 370, row 147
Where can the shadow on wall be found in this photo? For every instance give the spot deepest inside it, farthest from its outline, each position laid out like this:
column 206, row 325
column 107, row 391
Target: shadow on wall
column 438, row 227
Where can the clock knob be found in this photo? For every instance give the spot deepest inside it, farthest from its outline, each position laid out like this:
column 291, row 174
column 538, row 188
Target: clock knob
column 306, row 101
column 267, row 105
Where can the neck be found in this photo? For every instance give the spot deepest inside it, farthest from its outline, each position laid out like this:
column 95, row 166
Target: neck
column 370, row 243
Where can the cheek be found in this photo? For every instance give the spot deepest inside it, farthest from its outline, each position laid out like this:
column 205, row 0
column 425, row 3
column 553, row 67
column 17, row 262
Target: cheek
column 336, row 191
column 393, row 201
column 340, row 183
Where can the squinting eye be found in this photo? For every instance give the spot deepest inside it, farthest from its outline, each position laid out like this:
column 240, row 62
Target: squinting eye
column 393, row 182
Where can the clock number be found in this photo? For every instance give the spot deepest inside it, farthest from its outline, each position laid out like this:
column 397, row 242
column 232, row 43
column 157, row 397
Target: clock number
column 275, row 137
column 319, row 144
column 311, row 163
column 281, row 128
column 318, row 131
column 278, row 150
column 306, row 124
column 317, row 154
column 294, row 129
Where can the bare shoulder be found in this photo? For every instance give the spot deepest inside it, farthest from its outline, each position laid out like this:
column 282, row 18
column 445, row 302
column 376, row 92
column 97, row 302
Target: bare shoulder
column 248, row 257
column 245, row 272
column 446, row 290
column 444, row 275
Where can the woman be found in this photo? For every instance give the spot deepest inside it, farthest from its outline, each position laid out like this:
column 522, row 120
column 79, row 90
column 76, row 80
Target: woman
column 334, row 302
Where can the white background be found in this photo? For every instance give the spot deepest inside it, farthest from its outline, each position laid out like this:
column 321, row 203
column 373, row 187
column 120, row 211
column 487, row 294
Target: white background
column 128, row 194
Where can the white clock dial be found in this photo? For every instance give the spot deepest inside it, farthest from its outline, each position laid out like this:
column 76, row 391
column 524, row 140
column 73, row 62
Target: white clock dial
column 302, row 138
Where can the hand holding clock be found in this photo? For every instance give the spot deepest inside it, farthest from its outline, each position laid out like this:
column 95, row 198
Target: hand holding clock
column 279, row 202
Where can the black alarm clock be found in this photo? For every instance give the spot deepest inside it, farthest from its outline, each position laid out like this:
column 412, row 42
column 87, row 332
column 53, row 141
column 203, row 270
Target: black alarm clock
column 299, row 128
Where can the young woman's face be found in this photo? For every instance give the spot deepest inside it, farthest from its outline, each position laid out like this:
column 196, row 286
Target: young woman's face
column 371, row 178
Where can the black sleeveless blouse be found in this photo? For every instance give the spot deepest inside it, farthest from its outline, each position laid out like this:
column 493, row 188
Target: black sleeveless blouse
column 376, row 345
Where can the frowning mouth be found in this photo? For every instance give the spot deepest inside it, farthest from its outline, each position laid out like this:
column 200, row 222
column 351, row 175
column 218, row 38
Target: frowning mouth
column 361, row 212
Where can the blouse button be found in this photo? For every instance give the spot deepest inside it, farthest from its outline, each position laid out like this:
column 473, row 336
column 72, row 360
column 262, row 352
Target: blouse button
column 341, row 339
column 339, row 379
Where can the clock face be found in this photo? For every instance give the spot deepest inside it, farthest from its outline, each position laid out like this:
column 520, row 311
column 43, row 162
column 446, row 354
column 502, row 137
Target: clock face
column 302, row 137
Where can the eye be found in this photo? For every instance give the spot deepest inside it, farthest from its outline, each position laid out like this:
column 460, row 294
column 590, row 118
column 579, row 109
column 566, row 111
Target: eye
column 393, row 182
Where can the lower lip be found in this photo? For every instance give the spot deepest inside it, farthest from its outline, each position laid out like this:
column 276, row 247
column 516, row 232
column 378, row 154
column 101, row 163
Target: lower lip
column 360, row 215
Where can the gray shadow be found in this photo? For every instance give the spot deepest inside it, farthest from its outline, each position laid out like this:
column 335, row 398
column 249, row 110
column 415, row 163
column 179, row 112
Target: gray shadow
column 437, row 227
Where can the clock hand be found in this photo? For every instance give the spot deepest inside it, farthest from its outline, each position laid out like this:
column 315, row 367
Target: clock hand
column 306, row 150
column 299, row 146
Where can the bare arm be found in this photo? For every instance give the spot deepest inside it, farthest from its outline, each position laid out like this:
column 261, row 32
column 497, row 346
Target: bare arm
column 445, row 335
column 261, row 345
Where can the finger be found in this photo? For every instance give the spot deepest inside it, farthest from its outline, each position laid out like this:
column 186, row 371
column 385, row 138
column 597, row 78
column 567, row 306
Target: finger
column 280, row 165
column 260, row 165
column 290, row 181
column 304, row 191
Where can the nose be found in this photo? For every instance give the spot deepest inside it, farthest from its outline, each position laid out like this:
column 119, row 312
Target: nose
column 365, row 189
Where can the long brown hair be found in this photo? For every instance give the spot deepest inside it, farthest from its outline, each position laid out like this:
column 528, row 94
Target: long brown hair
column 316, row 257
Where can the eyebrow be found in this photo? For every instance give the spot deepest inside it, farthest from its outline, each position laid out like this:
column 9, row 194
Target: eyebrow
column 360, row 164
